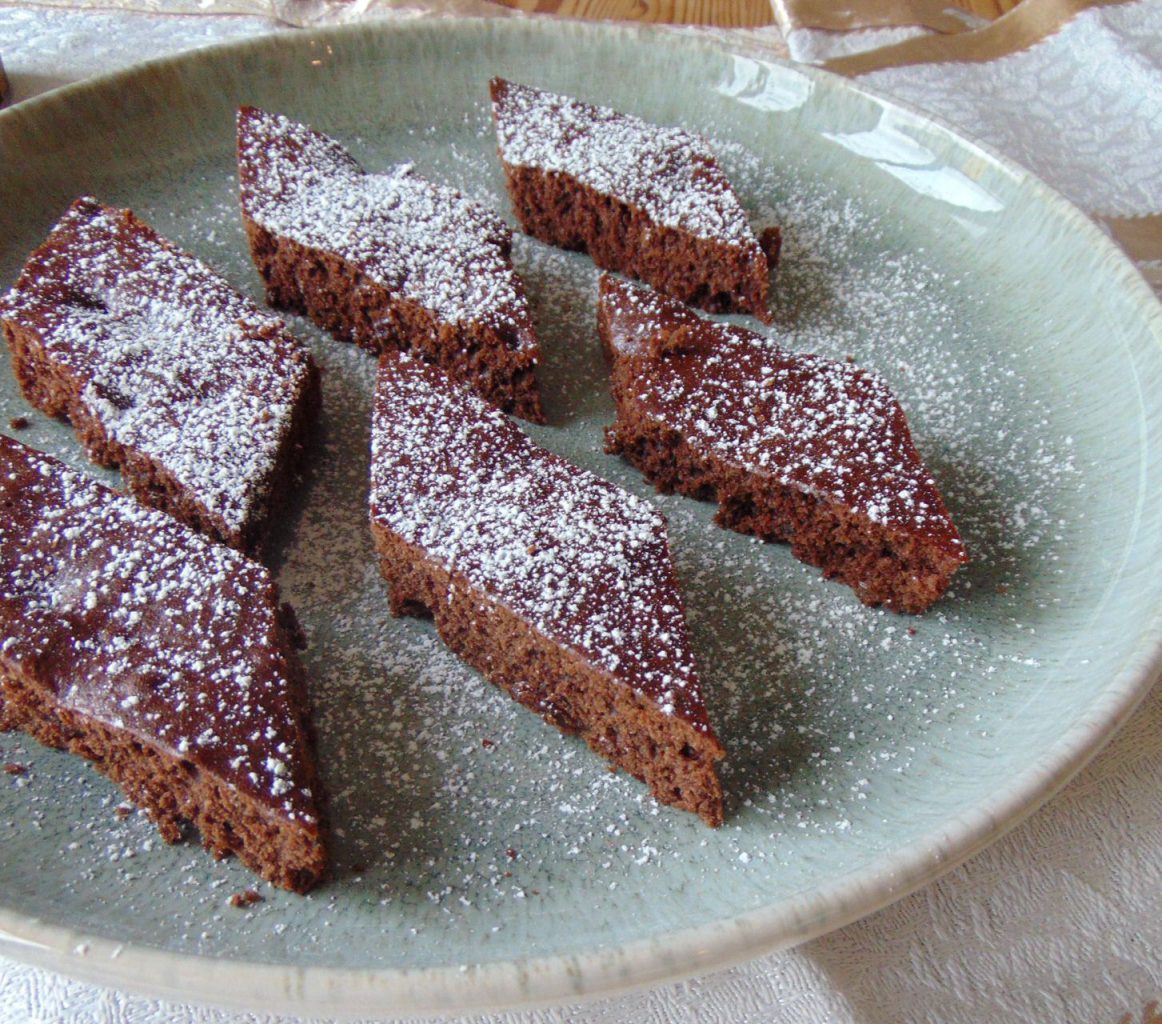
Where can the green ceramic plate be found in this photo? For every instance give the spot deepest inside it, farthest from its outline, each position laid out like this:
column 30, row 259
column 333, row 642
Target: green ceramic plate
column 482, row 859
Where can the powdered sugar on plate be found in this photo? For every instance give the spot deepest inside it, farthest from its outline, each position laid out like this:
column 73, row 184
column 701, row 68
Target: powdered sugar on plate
column 451, row 804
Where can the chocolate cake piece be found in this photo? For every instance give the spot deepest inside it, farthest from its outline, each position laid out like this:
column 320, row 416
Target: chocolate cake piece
column 793, row 447
column 557, row 586
column 163, row 658
column 203, row 399
column 389, row 261
column 647, row 201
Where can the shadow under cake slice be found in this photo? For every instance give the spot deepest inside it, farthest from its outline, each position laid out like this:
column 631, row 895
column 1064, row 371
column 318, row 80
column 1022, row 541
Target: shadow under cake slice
column 165, row 659
column 648, row 201
column 202, row 399
column 794, row 448
column 554, row 584
column 388, row 261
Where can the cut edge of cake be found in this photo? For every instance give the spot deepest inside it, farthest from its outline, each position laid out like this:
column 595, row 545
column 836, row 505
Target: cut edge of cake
column 648, row 201
column 665, row 741
column 343, row 249
column 282, row 835
column 51, row 300
column 902, row 565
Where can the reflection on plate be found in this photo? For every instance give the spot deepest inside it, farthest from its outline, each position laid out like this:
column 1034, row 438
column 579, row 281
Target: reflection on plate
column 868, row 751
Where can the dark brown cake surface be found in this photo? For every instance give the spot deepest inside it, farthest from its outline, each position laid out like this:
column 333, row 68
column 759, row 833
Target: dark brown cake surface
column 645, row 200
column 201, row 398
column 161, row 656
column 555, row 584
column 389, row 261
column 793, row 447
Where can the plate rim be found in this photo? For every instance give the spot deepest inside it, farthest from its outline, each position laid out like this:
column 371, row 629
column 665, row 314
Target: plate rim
column 523, row 983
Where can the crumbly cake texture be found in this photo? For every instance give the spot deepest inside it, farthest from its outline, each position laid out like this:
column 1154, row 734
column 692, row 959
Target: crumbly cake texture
column 794, row 448
column 389, row 261
column 163, row 658
column 557, row 586
column 648, row 201
column 202, row 399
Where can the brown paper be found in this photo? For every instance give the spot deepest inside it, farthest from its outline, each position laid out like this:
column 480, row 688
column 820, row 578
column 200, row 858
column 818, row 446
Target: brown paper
column 1026, row 24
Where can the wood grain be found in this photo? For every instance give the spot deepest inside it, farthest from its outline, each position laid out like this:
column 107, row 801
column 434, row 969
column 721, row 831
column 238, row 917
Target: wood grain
column 726, row 13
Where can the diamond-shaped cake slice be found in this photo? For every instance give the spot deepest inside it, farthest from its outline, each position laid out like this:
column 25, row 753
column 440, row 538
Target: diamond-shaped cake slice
column 556, row 585
column 202, row 398
column 794, row 448
column 648, row 201
column 165, row 659
column 389, row 261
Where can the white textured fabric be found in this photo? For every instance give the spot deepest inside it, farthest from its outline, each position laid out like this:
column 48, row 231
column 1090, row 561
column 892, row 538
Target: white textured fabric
column 1059, row 921
column 1082, row 108
column 45, row 48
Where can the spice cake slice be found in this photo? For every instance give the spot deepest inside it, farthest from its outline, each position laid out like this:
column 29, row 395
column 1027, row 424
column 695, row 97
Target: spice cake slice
column 557, row 586
column 389, row 261
column 648, row 201
column 203, row 399
column 793, row 447
column 162, row 657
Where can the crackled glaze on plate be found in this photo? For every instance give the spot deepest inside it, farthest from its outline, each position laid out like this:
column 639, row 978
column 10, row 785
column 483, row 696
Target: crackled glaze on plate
column 868, row 752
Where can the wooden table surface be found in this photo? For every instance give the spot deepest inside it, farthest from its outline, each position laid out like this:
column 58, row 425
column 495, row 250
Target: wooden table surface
column 727, row 13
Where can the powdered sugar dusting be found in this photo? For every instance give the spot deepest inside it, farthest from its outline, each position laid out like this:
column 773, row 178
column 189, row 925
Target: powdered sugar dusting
column 174, row 363
column 582, row 561
column 818, row 424
column 463, row 823
column 422, row 240
column 140, row 623
column 669, row 173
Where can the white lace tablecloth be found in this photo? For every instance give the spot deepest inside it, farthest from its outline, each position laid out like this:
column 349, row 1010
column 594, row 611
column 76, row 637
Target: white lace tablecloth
column 1062, row 919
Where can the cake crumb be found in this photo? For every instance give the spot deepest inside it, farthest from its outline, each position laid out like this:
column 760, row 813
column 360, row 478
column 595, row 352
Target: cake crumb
column 245, row 899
